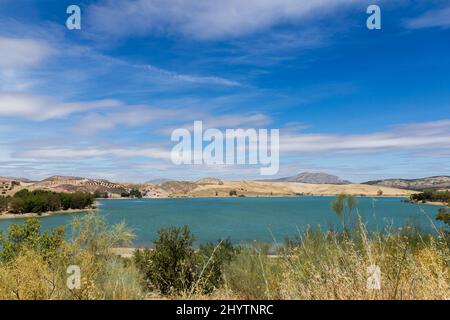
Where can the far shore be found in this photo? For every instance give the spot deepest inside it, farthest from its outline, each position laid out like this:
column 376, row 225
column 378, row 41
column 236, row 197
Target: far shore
column 6, row 215
column 432, row 203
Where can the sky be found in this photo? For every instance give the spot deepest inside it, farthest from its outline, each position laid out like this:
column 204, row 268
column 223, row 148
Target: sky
column 102, row 101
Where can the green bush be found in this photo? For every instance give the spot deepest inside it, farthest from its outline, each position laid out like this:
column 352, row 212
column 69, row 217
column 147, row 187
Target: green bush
column 253, row 274
column 28, row 236
column 444, row 216
column 429, row 195
column 214, row 258
column 170, row 267
column 173, row 266
column 39, row 201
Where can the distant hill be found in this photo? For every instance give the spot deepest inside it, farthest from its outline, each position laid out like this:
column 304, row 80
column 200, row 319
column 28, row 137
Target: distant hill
column 209, row 181
column 429, row 183
column 62, row 178
column 158, row 181
column 313, row 177
column 302, row 184
column 15, row 179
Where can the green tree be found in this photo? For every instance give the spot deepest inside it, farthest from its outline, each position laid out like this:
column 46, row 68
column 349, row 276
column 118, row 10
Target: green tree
column 134, row 193
column 343, row 206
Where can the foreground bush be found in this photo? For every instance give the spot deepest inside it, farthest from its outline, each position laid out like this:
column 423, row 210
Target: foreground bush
column 33, row 264
column 173, row 267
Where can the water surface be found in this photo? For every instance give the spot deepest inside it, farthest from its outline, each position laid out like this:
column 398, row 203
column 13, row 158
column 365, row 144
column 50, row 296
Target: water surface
column 245, row 219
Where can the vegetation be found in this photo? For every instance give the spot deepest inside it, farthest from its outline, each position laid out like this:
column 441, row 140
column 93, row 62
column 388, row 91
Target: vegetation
column 39, row 201
column 344, row 206
column 433, row 196
column 101, row 194
column 33, row 265
column 173, row 267
column 134, row 193
column 444, row 216
column 233, row 193
column 330, row 266
column 315, row 265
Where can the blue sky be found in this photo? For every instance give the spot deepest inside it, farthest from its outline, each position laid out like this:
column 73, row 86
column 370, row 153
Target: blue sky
column 102, row 101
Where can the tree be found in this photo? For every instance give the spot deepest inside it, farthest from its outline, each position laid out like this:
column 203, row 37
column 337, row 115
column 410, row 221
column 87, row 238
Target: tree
column 343, row 205
column 134, row 193
column 233, row 193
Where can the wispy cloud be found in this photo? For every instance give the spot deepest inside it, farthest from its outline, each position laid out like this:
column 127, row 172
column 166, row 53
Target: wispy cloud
column 41, row 108
column 404, row 137
column 433, row 18
column 129, row 116
column 210, row 80
column 213, row 19
column 71, row 153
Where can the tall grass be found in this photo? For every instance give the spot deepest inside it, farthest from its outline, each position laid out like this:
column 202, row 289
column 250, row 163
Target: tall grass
column 328, row 265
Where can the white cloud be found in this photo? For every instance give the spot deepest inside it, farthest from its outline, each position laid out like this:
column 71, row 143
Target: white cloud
column 405, row 137
column 73, row 153
column 40, row 108
column 133, row 116
column 23, row 52
column 193, row 78
column 210, row 19
column 434, row 18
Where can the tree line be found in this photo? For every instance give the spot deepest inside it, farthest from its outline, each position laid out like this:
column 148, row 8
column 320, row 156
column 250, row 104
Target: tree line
column 38, row 201
column 434, row 196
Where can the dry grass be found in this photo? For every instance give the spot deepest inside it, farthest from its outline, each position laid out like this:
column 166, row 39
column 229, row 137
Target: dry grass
column 333, row 266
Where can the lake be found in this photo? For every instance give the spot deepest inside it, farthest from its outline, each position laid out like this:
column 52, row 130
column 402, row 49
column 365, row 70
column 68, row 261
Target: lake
column 244, row 219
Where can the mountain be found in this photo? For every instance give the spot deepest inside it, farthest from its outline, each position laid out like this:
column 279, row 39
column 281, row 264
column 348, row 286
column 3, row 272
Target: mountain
column 314, row 178
column 429, row 183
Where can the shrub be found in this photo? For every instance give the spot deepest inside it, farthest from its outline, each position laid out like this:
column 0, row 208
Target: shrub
column 28, row 236
column 170, row 267
column 213, row 259
column 173, row 267
column 253, row 274
column 444, row 216
column 34, row 264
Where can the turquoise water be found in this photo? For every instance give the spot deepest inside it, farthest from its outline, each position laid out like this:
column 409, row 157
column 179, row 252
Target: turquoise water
column 244, row 219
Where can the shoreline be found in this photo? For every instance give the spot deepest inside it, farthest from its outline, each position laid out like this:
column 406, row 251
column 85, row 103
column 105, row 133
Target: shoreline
column 43, row 214
column 431, row 203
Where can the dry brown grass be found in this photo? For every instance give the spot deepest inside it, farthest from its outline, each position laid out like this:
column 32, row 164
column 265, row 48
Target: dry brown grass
column 331, row 266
